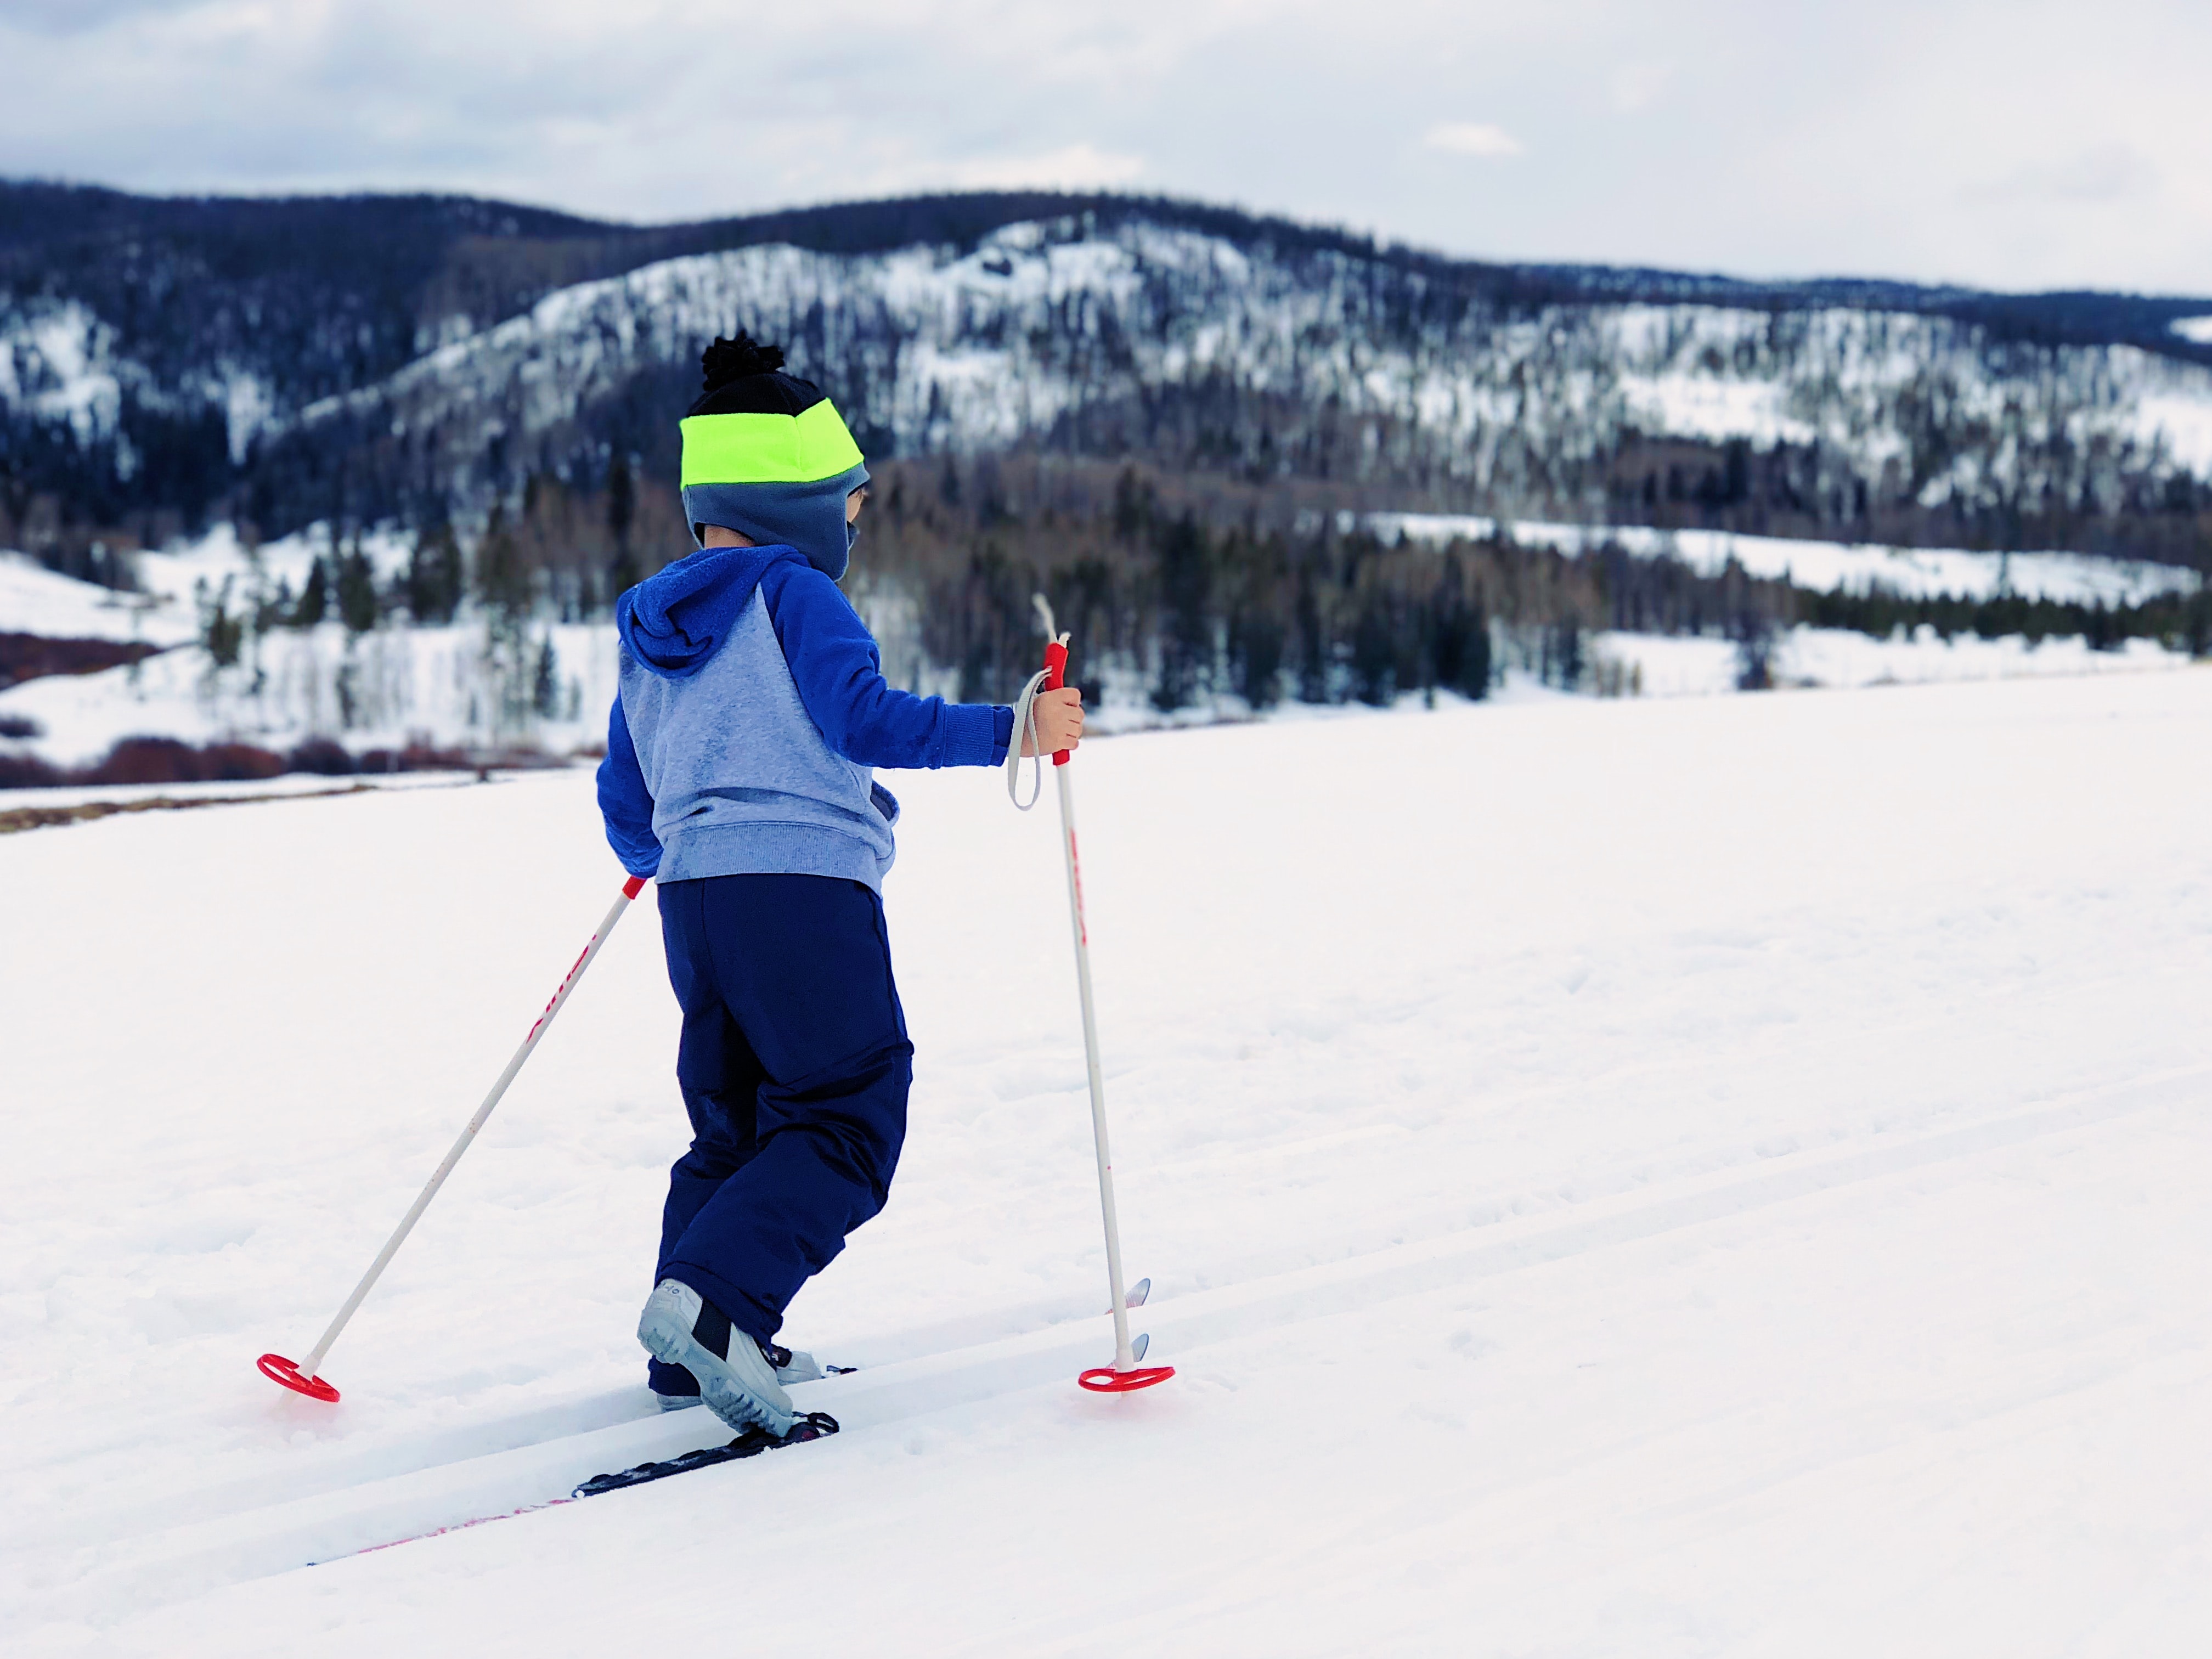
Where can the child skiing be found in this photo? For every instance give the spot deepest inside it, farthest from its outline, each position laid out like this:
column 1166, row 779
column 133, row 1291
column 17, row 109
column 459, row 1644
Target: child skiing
column 751, row 712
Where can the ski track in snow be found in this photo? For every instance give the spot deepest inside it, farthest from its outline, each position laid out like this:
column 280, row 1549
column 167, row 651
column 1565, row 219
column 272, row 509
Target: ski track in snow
column 1666, row 1177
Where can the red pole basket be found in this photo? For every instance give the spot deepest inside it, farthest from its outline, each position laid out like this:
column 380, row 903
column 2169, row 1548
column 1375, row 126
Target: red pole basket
column 277, row 1369
column 1104, row 1379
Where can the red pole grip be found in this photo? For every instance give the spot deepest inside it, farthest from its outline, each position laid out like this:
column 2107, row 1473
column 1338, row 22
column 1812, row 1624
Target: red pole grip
column 1056, row 675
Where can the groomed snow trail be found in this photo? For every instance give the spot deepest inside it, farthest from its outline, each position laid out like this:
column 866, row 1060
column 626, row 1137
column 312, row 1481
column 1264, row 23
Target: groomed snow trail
column 1673, row 1178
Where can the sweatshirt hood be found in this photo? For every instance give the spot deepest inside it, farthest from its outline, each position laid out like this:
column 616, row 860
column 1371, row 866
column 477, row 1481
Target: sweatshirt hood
column 673, row 621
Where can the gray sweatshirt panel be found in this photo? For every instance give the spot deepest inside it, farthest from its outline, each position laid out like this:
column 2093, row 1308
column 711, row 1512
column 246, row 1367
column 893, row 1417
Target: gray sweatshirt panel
column 741, row 782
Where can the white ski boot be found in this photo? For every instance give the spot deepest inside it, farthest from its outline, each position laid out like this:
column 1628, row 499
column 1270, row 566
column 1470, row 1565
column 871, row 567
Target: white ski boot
column 680, row 1328
column 792, row 1367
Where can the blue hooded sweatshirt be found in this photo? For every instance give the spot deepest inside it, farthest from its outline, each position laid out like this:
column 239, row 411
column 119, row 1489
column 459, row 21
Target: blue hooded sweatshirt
column 751, row 712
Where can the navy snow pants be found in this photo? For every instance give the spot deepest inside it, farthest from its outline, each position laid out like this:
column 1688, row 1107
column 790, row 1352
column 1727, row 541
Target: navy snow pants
column 794, row 1065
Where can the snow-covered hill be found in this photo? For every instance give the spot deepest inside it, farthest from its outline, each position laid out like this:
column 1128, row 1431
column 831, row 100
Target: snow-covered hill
column 1198, row 338
column 1700, row 1177
column 1050, row 333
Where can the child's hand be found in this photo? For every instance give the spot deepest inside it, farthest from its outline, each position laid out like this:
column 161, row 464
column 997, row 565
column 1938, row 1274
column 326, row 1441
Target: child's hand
column 1058, row 720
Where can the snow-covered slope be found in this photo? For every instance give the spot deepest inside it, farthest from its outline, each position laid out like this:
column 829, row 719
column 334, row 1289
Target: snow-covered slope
column 36, row 600
column 1697, row 1177
column 1045, row 330
column 1258, row 351
column 1828, row 567
column 444, row 687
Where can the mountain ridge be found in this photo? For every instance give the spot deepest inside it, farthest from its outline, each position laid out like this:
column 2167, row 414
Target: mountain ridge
column 164, row 360
column 960, row 219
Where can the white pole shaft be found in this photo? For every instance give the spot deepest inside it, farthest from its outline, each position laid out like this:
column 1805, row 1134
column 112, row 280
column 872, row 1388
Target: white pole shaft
column 1123, row 1359
column 322, row 1348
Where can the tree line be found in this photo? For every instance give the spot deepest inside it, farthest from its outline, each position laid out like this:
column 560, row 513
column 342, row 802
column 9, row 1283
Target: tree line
column 1196, row 589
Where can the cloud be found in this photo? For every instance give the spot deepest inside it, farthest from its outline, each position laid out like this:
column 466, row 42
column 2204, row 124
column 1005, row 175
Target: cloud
column 2103, row 173
column 1075, row 166
column 1472, row 138
column 1963, row 140
column 1635, row 88
column 65, row 18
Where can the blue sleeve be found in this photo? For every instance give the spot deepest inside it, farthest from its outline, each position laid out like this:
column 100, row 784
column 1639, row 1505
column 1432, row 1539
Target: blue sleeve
column 860, row 715
column 624, row 801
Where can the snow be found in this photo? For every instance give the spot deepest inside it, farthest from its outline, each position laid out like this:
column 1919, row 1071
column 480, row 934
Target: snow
column 976, row 350
column 452, row 687
column 179, row 572
column 172, row 580
column 1827, row 566
column 1658, row 665
column 36, row 600
column 1698, row 406
column 2196, row 329
column 1698, row 1176
column 1836, row 657
column 449, row 685
column 1001, row 344
column 290, row 783
column 58, row 361
column 385, row 689
column 2183, row 425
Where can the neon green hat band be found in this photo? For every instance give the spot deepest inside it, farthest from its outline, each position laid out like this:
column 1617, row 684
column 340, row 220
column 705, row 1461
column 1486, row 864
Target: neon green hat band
column 801, row 448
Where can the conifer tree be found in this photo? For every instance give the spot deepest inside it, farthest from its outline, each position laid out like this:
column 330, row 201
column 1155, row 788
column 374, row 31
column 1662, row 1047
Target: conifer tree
column 1374, row 652
column 622, row 571
column 545, row 681
column 502, row 578
column 1186, row 584
column 221, row 632
column 434, row 577
column 314, row 598
column 356, row 590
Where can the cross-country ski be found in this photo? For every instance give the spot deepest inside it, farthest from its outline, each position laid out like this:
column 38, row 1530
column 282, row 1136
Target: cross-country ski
column 809, row 1425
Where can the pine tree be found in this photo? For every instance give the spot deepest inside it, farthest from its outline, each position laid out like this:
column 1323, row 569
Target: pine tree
column 1459, row 638
column 502, row 580
column 314, row 598
column 434, row 577
column 357, row 591
column 1374, row 652
column 1186, row 585
column 221, row 632
column 1313, row 640
column 545, row 681
column 622, row 572
column 622, row 502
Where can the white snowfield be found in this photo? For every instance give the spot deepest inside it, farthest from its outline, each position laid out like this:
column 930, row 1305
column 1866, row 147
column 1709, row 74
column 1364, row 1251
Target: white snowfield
column 1663, row 666
column 1914, row 572
column 36, row 600
column 1721, row 1176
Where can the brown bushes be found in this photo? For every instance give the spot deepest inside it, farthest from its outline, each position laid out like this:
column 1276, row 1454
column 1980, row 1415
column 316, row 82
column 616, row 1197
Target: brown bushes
column 167, row 760
column 33, row 656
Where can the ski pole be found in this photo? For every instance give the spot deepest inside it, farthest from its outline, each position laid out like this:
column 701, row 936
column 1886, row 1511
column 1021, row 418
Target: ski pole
column 301, row 1378
column 1124, row 1374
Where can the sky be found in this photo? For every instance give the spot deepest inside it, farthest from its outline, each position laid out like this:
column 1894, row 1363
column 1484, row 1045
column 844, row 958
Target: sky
column 2014, row 144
